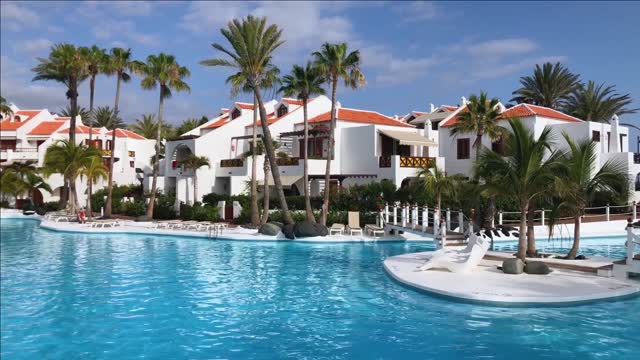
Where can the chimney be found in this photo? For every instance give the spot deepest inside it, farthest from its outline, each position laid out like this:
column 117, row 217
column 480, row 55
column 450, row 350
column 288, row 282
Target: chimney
column 432, row 107
column 614, row 139
column 463, row 101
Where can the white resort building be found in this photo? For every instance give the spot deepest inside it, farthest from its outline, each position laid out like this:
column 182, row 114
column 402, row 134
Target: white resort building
column 369, row 147
column 612, row 139
column 28, row 133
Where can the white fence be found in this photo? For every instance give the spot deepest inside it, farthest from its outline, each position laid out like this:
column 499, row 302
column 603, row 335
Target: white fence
column 604, row 213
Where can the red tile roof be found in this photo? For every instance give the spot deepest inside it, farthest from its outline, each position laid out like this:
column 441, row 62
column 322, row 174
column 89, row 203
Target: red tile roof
column 271, row 118
column 81, row 129
column 62, row 118
column 520, row 111
column 291, row 101
column 217, row 124
column 124, row 133
column 244, row 106
column 524, row 110
column 8, row 125
column 46, row 128
column 359, row 116
column 449, row 107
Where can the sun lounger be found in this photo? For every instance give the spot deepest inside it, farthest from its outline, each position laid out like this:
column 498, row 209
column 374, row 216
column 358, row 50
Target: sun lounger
column 462, row 262
column 104, row 224
column 354, row 223
column 336, row 228
column 373, row 230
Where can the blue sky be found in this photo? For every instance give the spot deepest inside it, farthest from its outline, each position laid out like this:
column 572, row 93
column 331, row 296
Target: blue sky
column 414, row 53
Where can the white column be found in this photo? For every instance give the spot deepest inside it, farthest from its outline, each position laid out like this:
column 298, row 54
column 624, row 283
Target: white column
column 425, row 218
column 500, row 217
column 395, row 214
column 414, row 223
column 404, row 216
column 436, row 221
column 461, row 220
column 386, row 213
column 635, row 211
column 542, row 217
column 608, row 213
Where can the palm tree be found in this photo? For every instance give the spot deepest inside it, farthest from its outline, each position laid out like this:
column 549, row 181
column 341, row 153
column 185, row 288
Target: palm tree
column 105, row 116
column 21, row 172
column 5, row 109
column 66, row 65
column 24, row 168
column 335, row 64
column 164, row 71
column 550, row 86
column 252, row 47
column 195, row 162
column 523, row 172
column 146, row 126
column 578, row 184
column 304, row 82
column 34, row 182
column 80, row 111
column 68, row 158
column 113, row 123
column 593, row 102
column 186, row 126
column 435, row 181
column 96, row 60
column 481, row 118
column 10, row 183
column 94, row 171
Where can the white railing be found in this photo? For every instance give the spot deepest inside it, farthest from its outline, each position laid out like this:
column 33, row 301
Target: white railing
column 423, row 218
column 604, row 212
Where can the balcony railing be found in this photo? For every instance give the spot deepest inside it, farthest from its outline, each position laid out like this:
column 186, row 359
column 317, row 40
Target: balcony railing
column 288, row 161
column 416, row 161
column 20, row 149
column 231, row 163
column 384, row 161
column 636, row 158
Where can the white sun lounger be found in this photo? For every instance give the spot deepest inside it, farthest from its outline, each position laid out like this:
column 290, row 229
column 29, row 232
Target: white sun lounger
column 462, row 262
column 354, row 223
column 373, row 230
column 104, row 224
column 336, row 229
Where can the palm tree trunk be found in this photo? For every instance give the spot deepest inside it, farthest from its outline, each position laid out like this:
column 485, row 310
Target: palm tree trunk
column 489, row 215
column 73, row 100
column 478, row 144
column 195, row 186
column 522, row 232
column 73, row 196
column 266, row 196
column 156, row 162
column 255, row 218
column 268, row 145
column 531, row 237
column 90, row 191
column 108, row 207
column 327, row 175
column 576, row 238
column 307, row 197
column 92, row 87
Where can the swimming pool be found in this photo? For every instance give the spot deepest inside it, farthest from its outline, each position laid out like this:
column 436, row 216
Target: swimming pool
column 122, row 296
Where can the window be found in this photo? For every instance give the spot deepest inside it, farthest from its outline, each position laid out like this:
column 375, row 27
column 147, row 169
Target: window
column 132, row 153
column 109, row 145
column 498, row 146
column 235, row 113
column 608, row 140
column 595, row 136
column 434, row 125
column 623, row 139
column 282, row 110
column 463, row 148
column 132, row 163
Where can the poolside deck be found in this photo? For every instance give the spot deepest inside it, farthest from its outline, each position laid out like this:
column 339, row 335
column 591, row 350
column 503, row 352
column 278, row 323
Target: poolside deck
column 487, row 284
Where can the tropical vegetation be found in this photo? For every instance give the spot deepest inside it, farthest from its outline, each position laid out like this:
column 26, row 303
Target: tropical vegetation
column 195, row 162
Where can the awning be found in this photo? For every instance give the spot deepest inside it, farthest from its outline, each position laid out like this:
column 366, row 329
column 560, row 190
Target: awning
column 285, row 179
column 409, row 138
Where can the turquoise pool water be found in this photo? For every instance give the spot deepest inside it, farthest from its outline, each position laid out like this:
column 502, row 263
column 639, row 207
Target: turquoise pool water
column 120, row 297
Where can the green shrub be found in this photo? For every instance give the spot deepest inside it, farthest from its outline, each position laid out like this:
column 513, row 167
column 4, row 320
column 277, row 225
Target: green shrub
column 163, row 207
column 51, row 206
column 199, row 212
column 134, row 209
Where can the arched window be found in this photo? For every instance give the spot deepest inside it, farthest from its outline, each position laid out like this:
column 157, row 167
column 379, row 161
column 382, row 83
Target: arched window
column 282, row 110
column 235, row 113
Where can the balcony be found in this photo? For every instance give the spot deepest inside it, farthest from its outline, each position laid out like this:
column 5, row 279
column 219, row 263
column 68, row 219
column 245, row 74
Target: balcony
column 288, row 161
column 231, row 163
column 11, row 154
column 406, row 161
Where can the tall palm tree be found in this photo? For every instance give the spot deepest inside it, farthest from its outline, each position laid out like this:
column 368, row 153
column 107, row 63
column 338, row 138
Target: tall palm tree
column 162, row 71
column 435, row 181
column 523, row 173
column 252, row 46
column 119, row 64
column 578, row 184
column 34, row 182
column 113, row 123
column 304, row 82
column 66, row 65
column 592, row 102
column 550, row 86
column 96, row 60
column 146, row 126
column 68, row 158
column 335, row 63
column 5, row 109
column 94, row 171
column 195, row 162
column 481, row 118
column 105, row 116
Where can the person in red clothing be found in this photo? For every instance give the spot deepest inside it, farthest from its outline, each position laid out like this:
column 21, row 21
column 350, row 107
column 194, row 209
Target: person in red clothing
column 82, row 216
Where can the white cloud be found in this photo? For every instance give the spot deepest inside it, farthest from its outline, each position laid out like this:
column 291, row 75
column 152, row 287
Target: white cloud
column 123, row 8
column 390, row 69
column 121, row 30
column 502, row 47
column 206, row 17
column 16, row 87
column 34, row 46
column 415, row 11
column 15, row 17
